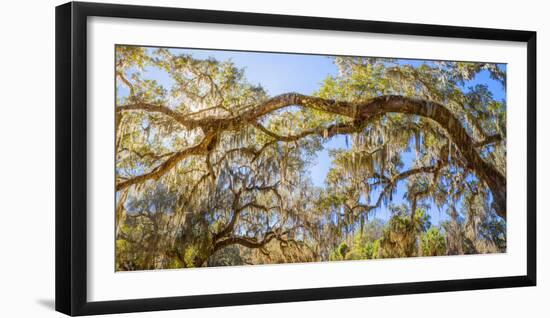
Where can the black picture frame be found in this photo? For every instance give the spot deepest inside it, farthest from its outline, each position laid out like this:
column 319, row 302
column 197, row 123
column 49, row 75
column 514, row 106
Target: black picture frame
column 71, row 157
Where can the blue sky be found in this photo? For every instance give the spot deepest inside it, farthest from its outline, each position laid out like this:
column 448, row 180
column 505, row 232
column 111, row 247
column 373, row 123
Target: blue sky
column 281, row 73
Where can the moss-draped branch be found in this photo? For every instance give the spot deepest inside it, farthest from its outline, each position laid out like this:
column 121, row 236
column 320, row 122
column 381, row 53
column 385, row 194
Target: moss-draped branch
column 359, row 114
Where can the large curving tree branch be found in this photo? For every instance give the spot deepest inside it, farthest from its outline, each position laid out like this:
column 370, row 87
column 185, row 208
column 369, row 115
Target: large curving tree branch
column 154, row 108
column 495, row 180
column 359, row 112
column 244, row 241
column 201, row 149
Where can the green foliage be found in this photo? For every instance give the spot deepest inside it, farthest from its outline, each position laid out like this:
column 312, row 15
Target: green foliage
column 340, row 252
column 433, row 243
column 191, row 254
column 365, row 244
column 398, row 238
column 400, row 234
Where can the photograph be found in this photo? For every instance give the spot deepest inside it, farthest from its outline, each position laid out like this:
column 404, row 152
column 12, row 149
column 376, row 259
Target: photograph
column 232, row 158
column 306, row 159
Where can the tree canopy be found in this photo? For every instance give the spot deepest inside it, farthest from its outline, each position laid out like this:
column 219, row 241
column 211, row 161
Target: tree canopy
column 211, row 170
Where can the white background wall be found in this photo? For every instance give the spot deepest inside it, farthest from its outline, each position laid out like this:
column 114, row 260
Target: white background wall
column 27, row 158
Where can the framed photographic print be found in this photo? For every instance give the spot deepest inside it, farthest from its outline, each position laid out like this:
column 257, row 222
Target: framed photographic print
column 209, row 158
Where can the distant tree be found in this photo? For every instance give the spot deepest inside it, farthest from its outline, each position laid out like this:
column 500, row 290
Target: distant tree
column 400, row 237
column 433, row 243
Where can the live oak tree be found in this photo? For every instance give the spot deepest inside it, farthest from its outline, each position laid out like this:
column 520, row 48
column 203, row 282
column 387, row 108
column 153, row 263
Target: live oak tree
column 211, row 170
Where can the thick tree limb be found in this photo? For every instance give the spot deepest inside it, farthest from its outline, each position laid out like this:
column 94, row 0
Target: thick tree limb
column 249, row 242
column 152, row 108
column 489, row 140
column 244, row 241
column 360, row 112
column 443, row 116
column 325, row 132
